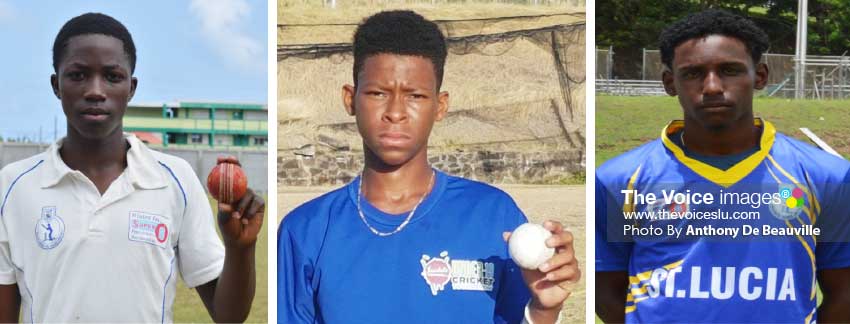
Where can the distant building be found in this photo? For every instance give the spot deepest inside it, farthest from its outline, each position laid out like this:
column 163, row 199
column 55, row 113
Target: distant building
column 199, row 124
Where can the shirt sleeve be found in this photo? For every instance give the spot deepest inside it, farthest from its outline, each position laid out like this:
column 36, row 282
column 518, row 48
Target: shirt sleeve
column 200, row 252
column 833, row 247
column 7, row 268
column 295, row 294
column 610, row 256
column 513, row 293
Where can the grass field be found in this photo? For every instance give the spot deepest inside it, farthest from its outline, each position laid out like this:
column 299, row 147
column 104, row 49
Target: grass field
column 188, row 307
column 623, row 123
column 562, row 203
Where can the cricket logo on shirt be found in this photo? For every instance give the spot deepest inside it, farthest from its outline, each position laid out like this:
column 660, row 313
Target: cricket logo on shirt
column 148, row 228
column 436, row 271
column 471, row 275
column 49, row 229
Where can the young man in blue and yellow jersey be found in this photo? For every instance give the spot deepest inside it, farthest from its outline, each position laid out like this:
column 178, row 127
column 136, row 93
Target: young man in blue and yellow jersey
column 722, row 219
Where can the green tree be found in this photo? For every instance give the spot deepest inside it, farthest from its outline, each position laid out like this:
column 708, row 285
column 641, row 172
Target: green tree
column 631, row 25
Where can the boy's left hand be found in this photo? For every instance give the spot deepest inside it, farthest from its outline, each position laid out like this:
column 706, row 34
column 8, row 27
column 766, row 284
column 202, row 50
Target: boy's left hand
column 241, row 221
column 550, row 283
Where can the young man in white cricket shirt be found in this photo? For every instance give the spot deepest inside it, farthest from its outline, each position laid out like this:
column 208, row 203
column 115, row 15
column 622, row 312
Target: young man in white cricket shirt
column 98, row 228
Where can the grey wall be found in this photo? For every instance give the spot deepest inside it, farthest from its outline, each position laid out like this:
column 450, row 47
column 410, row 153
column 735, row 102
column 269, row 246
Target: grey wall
column 255, row 163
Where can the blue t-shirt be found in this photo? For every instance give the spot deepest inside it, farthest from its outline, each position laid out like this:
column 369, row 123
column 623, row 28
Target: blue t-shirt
column 448, row 265
column 717, row 269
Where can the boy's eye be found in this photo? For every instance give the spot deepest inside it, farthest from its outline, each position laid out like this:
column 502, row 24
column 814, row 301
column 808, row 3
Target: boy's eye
column 76, row 75
column 114, row 77
column 418, row 96
column 690, row 74
column 729, row 70
column 377, row 94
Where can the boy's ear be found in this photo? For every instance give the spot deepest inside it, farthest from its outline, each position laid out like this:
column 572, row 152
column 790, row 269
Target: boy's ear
column 669, row 84
column 442, row 105
column 761, row 76
column 54, row 83
column 133, row 84
column 348, row 92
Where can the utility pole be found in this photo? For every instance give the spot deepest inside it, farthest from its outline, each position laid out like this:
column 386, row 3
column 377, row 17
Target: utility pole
column 800, row 51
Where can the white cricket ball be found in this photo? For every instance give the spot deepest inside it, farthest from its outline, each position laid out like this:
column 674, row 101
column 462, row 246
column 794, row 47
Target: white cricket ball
column 527, row 245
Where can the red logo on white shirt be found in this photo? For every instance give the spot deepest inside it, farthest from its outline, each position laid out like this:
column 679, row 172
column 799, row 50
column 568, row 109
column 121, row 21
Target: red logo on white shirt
column 161, row 232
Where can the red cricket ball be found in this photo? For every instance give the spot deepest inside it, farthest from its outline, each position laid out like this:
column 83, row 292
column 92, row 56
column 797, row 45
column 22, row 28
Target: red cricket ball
column 227, row 182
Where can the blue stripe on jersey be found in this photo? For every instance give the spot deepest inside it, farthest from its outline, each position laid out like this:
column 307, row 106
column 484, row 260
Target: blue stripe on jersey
column 185, row 202
column 6, row 197
column 32, row 303
column 165, row 287
column 32, row 300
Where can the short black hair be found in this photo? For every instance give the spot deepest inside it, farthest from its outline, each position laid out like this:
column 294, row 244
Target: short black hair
column 93, row 23
column 712, row 22
column 401, row 32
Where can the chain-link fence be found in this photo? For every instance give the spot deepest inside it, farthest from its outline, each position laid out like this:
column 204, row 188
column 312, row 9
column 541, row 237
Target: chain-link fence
column 826, row 77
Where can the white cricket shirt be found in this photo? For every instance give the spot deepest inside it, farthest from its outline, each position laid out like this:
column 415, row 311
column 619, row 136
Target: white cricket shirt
column 78, row 256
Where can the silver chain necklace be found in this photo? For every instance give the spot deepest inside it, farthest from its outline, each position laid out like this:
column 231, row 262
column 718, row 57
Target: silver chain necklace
column 406, row 220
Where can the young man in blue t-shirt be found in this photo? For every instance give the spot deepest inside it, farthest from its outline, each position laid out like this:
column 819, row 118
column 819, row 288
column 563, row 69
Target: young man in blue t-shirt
column 763, row 218
column 405, row 242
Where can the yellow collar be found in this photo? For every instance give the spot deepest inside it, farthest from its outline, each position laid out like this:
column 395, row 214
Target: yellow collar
column 720, row 177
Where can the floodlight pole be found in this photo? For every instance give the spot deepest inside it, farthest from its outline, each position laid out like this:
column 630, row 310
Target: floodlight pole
column 800, row 52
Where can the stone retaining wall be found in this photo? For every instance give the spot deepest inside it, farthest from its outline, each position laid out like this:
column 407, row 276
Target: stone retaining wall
column 337, row 168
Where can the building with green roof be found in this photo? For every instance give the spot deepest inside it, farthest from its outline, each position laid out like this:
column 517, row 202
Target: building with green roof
column 218, row 125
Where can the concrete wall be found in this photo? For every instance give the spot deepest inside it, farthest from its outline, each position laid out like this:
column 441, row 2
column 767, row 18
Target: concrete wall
column 255, row 163
column 336, row 168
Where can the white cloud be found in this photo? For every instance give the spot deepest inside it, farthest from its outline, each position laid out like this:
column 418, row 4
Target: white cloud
column 220, row 25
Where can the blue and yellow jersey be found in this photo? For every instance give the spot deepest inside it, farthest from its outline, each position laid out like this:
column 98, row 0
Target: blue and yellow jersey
column 701, row 244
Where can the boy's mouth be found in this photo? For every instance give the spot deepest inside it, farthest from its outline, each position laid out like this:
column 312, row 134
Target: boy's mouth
column 94, row 114
column 393, row 138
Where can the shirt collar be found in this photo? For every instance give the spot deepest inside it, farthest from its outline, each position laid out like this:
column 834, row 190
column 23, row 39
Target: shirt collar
column 721, row 177
column 142, row 168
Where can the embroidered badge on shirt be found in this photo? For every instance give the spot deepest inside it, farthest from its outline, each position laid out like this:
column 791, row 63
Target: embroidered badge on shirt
column 49, row 229
column 148, row 228
column 463, row 274
column 437, row 272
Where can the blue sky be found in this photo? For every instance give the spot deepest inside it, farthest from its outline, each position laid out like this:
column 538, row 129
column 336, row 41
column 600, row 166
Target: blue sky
column 208, row 50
